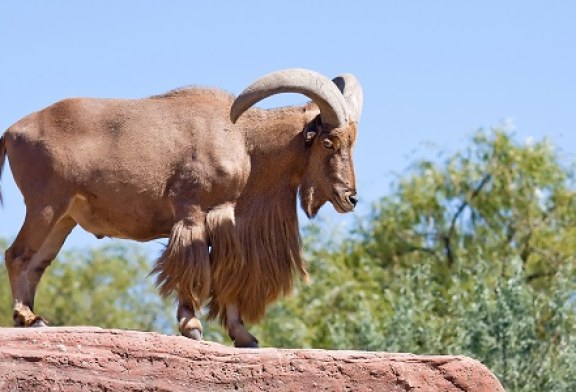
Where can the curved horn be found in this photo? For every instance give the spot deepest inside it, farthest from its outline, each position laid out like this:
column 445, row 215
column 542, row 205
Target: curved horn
column 321, row 90
column 352, row 92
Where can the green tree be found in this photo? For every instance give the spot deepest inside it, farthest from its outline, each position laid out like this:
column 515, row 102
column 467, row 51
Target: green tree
column 473, row 255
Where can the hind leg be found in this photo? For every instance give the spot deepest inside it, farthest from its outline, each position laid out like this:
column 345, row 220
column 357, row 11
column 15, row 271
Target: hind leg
column 39, row 240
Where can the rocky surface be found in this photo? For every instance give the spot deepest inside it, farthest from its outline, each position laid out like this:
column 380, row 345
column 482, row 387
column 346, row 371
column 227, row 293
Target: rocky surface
column 94, row 359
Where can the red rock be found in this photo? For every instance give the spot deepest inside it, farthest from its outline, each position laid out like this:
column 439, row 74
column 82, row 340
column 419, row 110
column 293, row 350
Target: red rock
column 94, row 359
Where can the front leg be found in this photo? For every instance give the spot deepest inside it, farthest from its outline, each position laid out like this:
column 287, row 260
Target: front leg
column 188, row 324
column 184, row 269
column 236, row 329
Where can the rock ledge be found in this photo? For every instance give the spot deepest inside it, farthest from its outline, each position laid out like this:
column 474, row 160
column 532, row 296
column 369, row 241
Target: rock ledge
column 94, row 359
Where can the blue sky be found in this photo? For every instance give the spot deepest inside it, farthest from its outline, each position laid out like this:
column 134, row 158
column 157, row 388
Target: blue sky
column 432, row 72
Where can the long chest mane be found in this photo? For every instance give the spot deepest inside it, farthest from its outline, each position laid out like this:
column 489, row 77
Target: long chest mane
column 255, row 253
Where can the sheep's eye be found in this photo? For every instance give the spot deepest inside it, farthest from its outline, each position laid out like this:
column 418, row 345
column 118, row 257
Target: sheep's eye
column 328, row 144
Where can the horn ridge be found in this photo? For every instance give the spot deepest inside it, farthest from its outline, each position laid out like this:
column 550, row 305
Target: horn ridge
column 323, row 92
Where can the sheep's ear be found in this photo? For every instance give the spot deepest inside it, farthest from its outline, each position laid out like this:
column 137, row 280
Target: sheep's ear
column 310, row 135
column 313, row 129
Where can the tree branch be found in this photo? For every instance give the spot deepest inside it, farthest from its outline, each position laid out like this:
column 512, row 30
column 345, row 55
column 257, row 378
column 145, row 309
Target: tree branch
column 538, row 275
column 447, row 238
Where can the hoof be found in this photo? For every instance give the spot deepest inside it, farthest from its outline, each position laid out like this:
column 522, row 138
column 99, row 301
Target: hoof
column 253, row 343
column 248, row 345
column 193, row 333
column 190, row 328
column 39, row 323
column 24, row 317
column 18, row 323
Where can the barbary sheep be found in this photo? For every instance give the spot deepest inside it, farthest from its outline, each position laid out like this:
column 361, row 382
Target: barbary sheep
column 215, row 176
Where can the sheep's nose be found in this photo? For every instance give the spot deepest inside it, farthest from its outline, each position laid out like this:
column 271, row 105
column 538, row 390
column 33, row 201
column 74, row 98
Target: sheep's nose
column 353, row 199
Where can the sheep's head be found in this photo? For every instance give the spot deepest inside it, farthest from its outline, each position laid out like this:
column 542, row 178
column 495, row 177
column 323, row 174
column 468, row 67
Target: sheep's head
column 330, row 137
column 329, row 175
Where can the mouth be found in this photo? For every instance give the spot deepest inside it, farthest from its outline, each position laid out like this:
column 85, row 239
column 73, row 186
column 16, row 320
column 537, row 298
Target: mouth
column 344, row 201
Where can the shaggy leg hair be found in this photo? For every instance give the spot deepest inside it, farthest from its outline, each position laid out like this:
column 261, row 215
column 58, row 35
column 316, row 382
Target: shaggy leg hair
column 184, row 266
column 227, row 260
